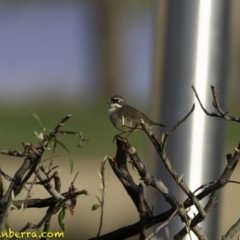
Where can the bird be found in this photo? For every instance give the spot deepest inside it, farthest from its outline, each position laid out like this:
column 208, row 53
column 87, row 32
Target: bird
column 127, row 118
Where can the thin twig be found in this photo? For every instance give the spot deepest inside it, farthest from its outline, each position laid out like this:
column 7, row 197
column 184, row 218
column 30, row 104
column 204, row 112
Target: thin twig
column 1, row 185
column 150, row 180
column 233, row 230
column 102, row 190
column 222, row 181
column 12, row 153
column 5, row 213
column 168, row 164
column 216, row 104
column 52, row 211
column 176, row 126
column 161, row 226
column 29, row 191
column 57, row 184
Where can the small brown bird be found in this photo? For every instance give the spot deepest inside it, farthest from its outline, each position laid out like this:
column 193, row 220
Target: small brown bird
column 127, row 118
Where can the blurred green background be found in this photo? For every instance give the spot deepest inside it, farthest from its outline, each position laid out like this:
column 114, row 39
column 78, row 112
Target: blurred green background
column 69, row 57
column 18, row 125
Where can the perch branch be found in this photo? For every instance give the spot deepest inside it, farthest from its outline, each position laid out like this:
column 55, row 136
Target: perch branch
column 165, row 158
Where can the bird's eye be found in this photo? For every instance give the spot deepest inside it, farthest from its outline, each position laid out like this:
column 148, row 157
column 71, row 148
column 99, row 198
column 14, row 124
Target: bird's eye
column 115, row 100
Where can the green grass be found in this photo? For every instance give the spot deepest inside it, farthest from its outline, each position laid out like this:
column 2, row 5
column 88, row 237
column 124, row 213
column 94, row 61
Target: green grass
column 17, row 125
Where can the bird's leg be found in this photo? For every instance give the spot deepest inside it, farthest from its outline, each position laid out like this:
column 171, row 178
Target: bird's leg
column 118, row 135
column 131, row 129
column 130, row 132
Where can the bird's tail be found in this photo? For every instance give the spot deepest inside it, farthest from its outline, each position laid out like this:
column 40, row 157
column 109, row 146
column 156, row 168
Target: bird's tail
column 158, row 124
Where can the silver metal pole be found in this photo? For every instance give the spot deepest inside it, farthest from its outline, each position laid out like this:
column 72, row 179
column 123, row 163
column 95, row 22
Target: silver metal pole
column 196, row 53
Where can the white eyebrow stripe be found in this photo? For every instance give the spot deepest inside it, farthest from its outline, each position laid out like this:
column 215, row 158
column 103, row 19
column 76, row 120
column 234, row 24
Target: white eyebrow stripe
column 118, row 100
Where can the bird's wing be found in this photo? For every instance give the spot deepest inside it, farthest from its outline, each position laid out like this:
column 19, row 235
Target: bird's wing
column 131, row 113
column 128, row 112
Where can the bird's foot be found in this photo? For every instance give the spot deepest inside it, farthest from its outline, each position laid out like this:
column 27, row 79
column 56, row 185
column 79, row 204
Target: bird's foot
column 119, row 136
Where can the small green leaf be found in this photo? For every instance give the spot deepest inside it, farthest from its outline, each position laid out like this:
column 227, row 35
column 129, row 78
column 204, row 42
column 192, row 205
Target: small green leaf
column 68, row 154
column 95, row 207
column 38, row 119
column 61, row 216
column 123, row 120
column 40, row 136
column 45, row 146
column 163, row 137
column 100, row 175
column 13, row 195
column 180, row 178
column 105, row 161
column 187, row 229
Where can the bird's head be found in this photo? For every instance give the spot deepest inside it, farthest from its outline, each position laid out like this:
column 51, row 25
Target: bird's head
column 116, row 102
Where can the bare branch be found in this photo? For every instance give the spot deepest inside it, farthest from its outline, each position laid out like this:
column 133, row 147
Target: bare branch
column 29, row 192
column 183, row 120
column 221, row 113
column 149, row 179
column 161, row 226
column 102, row 190
column 158, row 184
column 5, row 212
column 53, row 211
column 12, row 153
column 232, row 230
column 57, row 183
column 48, row 186
column 164, row 141
column 222, row 181
column 1, row 184
column 79, row 134
column 168, row 164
